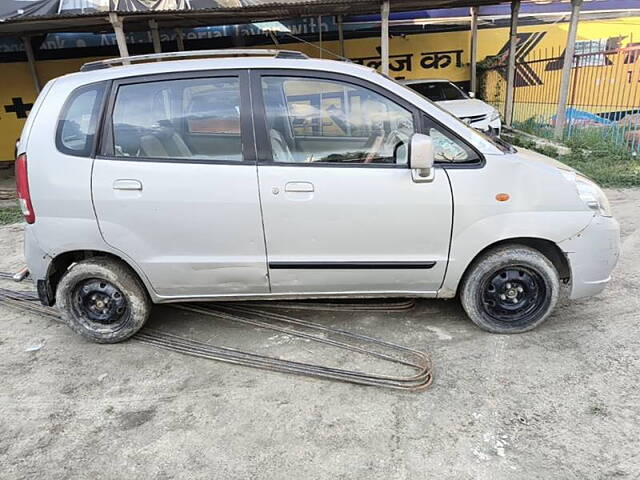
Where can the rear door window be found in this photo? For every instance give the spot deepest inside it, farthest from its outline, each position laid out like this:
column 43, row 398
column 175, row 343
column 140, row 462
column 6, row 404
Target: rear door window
column 179, row 119
column 77, row 125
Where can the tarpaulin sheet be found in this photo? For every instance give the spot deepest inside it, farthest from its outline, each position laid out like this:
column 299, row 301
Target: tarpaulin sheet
column 14, row 9
column 10, row 9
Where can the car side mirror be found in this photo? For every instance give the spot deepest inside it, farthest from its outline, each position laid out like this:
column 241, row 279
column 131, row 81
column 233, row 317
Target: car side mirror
column 421, row 158
column 472, row 95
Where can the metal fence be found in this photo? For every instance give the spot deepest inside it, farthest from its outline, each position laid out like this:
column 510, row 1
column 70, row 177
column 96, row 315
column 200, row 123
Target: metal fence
column 604, row 93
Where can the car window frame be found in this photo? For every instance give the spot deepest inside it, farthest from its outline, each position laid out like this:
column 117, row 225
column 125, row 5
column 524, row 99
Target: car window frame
column 422, row 120
column 106, row 140
column 264, row 153
column 89, row 150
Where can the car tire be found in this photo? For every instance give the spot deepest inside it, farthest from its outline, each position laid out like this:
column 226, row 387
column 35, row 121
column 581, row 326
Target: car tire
column 103, row 300
column 510, row 289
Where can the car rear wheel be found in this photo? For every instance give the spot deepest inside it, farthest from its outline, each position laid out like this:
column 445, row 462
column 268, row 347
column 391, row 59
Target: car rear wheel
column 102, row 300
column 510, row 289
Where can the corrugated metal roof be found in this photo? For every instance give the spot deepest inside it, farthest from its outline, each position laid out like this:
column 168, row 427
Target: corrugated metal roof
column 39, row 16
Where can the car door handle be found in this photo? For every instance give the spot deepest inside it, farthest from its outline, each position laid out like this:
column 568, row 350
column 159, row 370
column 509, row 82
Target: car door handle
column 127, row 185
column 298, row 187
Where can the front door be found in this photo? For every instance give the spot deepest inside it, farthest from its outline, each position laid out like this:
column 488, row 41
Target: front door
column 341, row 212
column 175, row 188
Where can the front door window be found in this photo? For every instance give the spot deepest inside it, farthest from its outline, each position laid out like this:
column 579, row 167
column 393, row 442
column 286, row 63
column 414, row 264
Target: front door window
column 327, row 121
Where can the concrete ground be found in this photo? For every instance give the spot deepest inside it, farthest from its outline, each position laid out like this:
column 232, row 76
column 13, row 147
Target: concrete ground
column 561, row 402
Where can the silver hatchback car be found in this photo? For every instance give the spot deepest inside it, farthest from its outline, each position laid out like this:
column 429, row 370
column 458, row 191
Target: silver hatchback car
column 269, row 175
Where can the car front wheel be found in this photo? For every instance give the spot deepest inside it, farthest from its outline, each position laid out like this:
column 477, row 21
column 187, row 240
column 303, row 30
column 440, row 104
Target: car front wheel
column 510, row 289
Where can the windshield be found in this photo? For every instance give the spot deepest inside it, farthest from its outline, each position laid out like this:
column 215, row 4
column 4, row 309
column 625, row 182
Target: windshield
column 438, row 91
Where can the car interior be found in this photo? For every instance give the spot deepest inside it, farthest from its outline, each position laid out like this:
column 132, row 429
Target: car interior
column 179, row 119
column 313, row 121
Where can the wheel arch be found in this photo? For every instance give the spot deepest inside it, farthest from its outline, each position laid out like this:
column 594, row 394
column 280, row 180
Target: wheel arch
column 546, row 247
column 61, row 263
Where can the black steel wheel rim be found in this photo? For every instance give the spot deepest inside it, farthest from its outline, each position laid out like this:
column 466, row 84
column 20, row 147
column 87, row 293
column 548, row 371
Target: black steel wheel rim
column 100, row 302
column 513, row 294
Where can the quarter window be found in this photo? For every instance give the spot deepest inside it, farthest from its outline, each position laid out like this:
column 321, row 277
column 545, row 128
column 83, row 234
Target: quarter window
column 77, row 125
column 326, row 121
column 446, row 147
column 181, row 119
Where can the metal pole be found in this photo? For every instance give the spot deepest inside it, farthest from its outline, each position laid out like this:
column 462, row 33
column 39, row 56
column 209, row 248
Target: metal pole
column 341, row 36
column 511, row 66
column 179, row 39
column 28, row 49
column 320, row 34
column 474, row 49
column 565, row 79
column 274, row 39
column 116, row 22
column 384, row 37
column 155, row 36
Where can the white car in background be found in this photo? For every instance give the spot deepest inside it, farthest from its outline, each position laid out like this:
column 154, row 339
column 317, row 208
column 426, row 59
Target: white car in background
column 472, row 111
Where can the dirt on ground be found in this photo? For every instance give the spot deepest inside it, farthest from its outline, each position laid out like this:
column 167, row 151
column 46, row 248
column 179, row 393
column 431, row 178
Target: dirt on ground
column 560, row 402
column 7, row 186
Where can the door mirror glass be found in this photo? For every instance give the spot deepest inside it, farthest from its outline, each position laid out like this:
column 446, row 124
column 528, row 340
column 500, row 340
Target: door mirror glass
column 421, row 157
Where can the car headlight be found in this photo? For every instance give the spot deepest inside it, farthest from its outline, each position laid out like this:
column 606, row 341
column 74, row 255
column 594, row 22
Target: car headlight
column 592, row 195
column 494, row 116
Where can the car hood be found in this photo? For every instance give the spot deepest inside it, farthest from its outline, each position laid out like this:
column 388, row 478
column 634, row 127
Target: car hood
column 538, row 158
column 466, row 107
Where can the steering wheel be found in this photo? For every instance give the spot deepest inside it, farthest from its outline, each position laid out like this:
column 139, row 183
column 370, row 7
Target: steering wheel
column 387, row 143
column 395, row 138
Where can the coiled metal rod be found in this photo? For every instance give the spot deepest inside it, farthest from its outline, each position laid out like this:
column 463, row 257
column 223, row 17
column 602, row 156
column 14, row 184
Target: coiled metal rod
column 249, row 315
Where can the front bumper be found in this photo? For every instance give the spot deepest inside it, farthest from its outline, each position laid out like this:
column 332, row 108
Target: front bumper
column 592, row 254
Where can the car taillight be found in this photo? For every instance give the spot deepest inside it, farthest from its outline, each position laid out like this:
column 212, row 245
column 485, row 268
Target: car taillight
column 22, row 188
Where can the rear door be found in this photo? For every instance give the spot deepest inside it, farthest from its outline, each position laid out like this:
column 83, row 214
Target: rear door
column 175, row 186
column 340, row 209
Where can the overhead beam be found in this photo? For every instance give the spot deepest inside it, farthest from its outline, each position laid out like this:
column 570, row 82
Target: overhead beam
column 118, row 28
column 567, row 63
column 511, row 65
column 473, row 48
column 155, row 36
column 31, row 59
column 384, row 37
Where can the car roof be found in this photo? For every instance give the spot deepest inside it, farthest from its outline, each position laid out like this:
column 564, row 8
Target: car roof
column 226, row 63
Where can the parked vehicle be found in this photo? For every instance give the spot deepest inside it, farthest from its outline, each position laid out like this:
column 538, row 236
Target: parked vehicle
column 278, row 176
column 463, row 105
